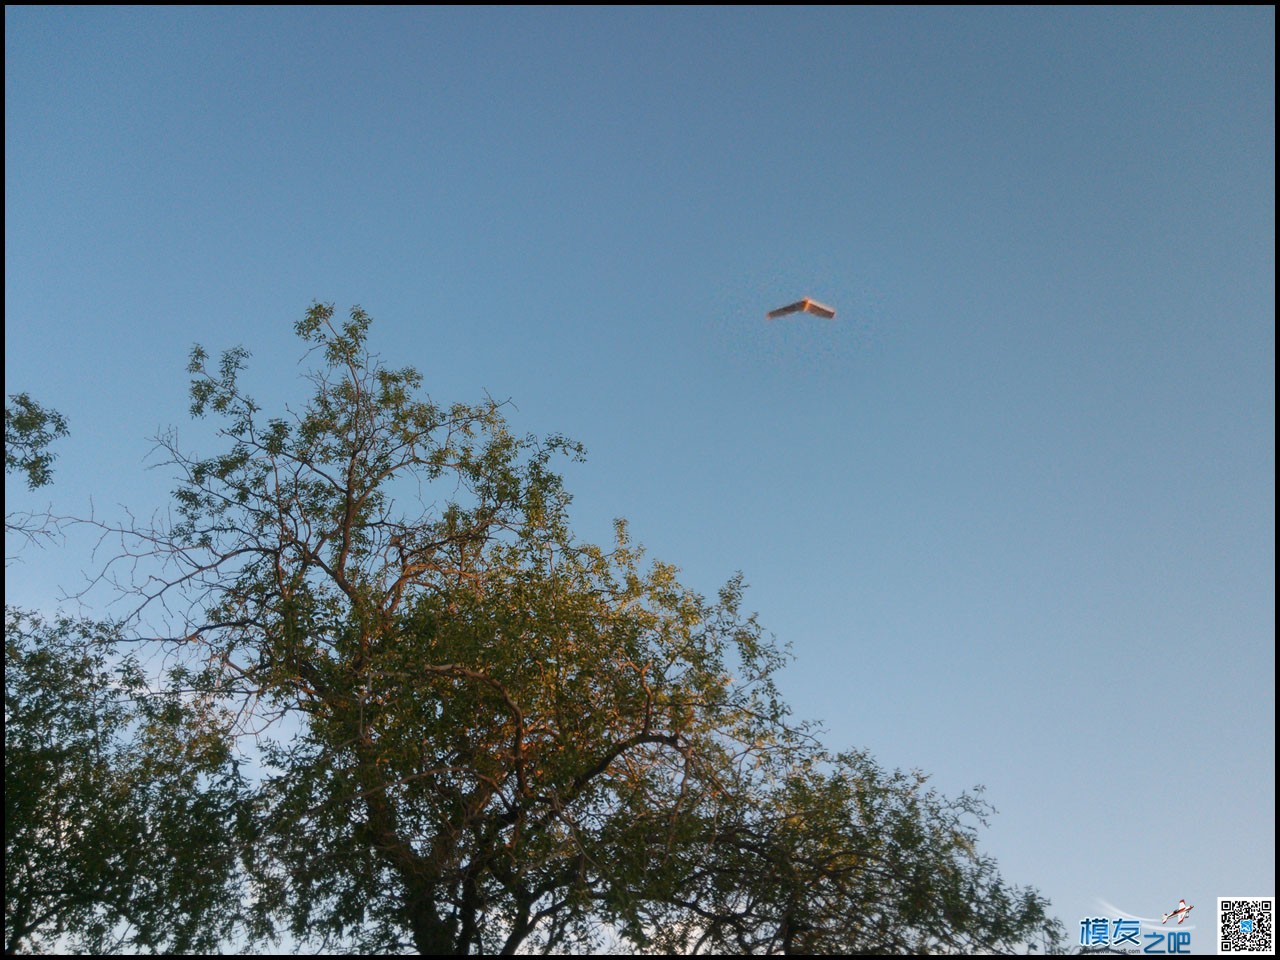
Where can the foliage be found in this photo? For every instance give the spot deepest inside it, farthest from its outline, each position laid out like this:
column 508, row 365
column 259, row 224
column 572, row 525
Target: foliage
column 28, row 430
column 493, row 737
column 833, row 855
column 120, row 805
column 124, row 812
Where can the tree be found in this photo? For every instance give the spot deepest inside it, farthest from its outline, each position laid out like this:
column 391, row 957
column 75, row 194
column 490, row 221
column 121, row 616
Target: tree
column 833, row 855
column 495, row 737
column 123, row 805
column 120, row 805
column 29, row 429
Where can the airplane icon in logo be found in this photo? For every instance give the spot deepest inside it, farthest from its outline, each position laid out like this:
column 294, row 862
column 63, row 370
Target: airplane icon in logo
column 1180, row 913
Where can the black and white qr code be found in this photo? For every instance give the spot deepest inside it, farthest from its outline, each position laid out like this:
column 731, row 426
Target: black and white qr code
column 1246, row 925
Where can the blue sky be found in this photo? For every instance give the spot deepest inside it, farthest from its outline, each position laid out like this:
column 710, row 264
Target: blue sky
column 1013, row 509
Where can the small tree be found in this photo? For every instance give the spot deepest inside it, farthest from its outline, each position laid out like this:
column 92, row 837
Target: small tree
column 499, row 737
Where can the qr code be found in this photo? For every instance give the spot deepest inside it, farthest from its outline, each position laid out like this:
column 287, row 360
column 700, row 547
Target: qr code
column 1246, row 925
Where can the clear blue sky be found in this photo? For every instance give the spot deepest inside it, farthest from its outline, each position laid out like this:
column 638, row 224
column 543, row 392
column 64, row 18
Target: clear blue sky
column 1014, row 509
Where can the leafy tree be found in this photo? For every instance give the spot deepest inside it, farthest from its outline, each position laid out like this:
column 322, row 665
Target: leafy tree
column 120, row 805
column 124, row 811
column 495, row 737
column 833, row 855
column 28, row 430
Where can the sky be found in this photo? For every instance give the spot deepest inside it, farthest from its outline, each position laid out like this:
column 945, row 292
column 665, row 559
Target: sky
column 1013, row 509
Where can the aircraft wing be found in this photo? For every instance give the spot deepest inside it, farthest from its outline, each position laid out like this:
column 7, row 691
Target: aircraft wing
column 783, row 311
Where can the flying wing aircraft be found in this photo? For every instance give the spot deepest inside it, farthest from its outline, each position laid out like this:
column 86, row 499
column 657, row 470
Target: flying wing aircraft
column 1180, row 913
column 806, row 306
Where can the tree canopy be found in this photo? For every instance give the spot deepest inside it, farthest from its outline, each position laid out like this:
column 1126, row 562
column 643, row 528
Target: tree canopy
column 29, row 428
column 480, row 734
column 125, row 813
column 123, row 810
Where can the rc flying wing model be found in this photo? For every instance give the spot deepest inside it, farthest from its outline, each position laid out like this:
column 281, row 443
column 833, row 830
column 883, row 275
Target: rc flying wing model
column 802, row 306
